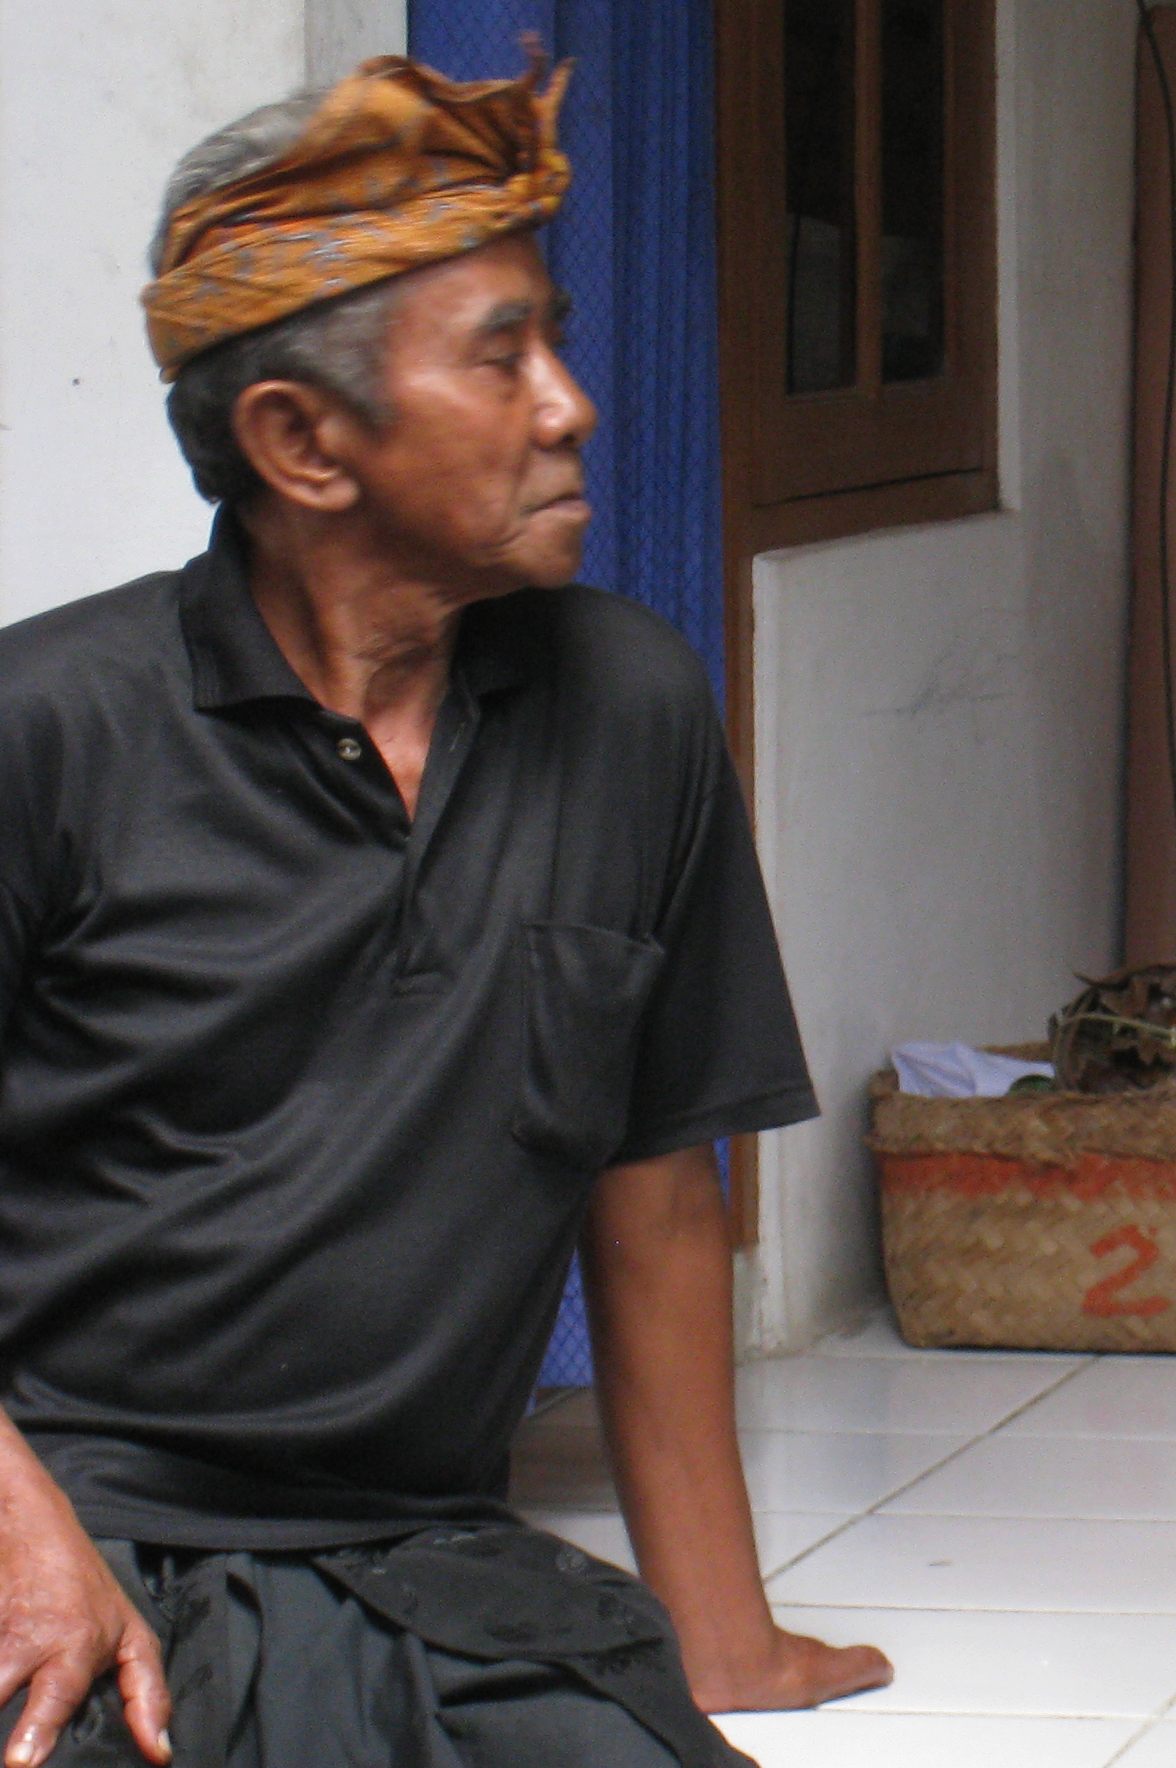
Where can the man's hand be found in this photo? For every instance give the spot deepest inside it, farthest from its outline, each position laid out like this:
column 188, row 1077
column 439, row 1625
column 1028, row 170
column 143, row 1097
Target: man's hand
column 657, row 1268
column 65, row 1619
column 795, row 1672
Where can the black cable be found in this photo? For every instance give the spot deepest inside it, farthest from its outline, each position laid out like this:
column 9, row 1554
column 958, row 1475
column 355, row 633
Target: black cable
column 1169, row 405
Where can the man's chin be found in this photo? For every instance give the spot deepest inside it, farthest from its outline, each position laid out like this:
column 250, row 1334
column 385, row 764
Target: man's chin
column 554, row 570
column 546, row 567
column 556, row 553
column 548, row 581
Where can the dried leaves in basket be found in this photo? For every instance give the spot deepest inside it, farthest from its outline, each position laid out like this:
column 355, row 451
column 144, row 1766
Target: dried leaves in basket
column 1119, row 1035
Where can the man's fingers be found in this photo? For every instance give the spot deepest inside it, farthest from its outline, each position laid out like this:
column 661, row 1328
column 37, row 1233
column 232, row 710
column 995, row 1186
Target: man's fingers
column 854, row 1668
column 803, row 1672
column 56, row 1691
column 143, row 1687
column 58, row 1688
column 816, row 1672
column 14, row 1675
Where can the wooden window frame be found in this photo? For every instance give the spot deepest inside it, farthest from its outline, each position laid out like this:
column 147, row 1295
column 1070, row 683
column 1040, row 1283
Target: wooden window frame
column 799, row 468
column 805, row 468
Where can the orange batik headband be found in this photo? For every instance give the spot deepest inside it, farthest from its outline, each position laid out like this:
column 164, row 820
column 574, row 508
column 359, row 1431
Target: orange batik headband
column 398, row 167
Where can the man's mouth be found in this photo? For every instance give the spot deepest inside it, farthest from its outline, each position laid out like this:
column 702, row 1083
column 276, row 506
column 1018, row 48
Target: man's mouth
column 571, row 501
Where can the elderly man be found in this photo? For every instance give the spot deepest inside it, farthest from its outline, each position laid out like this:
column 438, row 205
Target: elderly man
column 377, row 917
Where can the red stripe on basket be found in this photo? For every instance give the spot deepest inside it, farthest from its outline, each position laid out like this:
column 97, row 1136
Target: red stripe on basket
column 983, row 1175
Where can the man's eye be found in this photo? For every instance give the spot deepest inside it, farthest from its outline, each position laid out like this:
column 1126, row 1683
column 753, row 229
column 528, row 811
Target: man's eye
column 509, row 361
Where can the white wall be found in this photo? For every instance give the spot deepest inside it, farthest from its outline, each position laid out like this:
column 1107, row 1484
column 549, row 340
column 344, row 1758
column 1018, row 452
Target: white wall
column 342, row 33
column 939, row 709
column 98, row 98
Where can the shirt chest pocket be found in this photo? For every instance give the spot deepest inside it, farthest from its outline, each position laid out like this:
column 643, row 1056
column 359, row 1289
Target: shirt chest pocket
column 584, row 993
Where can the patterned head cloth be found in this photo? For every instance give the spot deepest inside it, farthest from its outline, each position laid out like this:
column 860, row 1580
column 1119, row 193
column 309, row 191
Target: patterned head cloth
column 397, row 167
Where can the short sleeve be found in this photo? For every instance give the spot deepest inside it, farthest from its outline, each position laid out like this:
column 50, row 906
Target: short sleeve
column 720, row 1052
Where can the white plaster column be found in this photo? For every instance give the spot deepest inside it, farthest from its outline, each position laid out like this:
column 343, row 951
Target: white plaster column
column 341, row 33
column 98, row 98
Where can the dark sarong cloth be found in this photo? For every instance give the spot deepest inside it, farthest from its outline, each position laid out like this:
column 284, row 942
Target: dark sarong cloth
column 483, row 1647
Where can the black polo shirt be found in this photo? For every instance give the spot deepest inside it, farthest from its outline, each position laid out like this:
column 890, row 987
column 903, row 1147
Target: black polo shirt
column 300, row 1104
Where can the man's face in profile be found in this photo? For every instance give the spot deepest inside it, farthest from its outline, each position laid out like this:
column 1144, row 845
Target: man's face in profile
column 477, row 481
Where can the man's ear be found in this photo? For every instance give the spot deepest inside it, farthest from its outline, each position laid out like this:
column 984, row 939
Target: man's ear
column 291, row 433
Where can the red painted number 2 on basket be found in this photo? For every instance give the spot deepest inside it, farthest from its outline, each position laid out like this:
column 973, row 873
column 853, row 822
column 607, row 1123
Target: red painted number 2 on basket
column 1105, row 1298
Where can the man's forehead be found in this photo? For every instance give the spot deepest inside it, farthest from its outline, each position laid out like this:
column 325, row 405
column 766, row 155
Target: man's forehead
column 505, row 282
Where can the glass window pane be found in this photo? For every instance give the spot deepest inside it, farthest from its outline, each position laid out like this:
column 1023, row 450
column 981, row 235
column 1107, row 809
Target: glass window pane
column 913, row 118
column 819, row 119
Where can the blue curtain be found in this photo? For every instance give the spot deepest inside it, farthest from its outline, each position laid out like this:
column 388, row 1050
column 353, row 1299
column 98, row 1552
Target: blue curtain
column 635, row 247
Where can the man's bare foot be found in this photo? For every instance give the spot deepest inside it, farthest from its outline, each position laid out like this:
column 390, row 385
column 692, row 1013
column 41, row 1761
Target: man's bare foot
column 800, row 1672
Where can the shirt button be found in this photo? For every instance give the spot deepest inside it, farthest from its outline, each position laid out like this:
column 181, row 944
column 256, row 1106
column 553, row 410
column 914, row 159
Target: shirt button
column 348, row 749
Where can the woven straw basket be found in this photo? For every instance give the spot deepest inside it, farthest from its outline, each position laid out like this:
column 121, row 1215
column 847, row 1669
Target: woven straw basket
column 1042, row 1221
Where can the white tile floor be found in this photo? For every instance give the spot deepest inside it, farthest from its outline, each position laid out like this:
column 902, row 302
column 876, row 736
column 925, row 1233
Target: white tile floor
column 1002, row 1524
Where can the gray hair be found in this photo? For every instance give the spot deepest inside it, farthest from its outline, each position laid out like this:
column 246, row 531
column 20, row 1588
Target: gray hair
column 336, row 345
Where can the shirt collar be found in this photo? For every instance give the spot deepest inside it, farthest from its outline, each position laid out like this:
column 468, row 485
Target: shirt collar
column 235, row 658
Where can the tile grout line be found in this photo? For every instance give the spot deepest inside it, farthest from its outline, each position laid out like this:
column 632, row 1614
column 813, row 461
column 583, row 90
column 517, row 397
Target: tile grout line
column 898, row 1491
column 1145, row 1730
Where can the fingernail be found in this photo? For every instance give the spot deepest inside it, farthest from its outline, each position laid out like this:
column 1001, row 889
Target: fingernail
column 165, row 1741
column 25, row 1750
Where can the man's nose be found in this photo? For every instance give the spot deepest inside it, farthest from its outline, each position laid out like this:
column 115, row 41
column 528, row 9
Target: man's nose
column 563, row 411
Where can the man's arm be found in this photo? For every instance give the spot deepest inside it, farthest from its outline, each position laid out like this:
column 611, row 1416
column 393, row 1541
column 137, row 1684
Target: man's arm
column 64, row 1618
column 657, row 1267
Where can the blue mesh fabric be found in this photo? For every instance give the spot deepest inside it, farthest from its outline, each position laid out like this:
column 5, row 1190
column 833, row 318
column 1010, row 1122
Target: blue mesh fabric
column 568, row 1362
column 634, row 246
